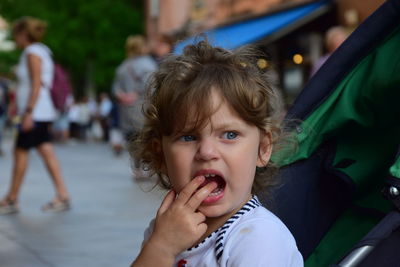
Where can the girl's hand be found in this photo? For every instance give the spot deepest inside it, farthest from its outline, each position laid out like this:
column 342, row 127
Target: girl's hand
column 27, row 123
column 178, row 224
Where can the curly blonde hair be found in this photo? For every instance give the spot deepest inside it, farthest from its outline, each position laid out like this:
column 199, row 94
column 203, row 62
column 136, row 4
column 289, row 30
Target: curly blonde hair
column 183, row 83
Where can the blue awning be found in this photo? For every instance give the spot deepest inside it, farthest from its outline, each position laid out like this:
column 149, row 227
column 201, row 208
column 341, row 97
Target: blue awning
column 250, row 31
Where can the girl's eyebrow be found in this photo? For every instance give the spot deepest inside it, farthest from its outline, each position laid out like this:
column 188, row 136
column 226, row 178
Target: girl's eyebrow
column 226, row 125
column 185, row 131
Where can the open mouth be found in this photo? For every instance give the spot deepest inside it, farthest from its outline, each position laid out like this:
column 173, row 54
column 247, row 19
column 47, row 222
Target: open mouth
column 218, row 179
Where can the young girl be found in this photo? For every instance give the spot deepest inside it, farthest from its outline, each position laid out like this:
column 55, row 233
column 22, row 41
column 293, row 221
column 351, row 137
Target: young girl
column 210, row 128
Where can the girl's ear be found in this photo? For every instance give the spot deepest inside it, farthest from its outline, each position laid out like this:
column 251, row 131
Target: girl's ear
column 264, row 149
column 157, row 148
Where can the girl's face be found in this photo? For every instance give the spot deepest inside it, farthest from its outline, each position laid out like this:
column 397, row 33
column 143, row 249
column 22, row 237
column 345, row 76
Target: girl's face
column 227, row 151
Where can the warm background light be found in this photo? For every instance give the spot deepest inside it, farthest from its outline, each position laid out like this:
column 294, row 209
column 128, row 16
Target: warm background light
column 298, row 59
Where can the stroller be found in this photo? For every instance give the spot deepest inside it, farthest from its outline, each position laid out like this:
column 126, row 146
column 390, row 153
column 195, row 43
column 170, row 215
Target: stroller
column 340, row 190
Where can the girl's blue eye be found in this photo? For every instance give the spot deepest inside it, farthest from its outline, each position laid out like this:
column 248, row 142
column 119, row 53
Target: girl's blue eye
column 187, row 138
column 230, row 135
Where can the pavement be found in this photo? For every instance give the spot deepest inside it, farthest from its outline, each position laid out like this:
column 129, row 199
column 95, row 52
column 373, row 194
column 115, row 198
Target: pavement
column 105, row 225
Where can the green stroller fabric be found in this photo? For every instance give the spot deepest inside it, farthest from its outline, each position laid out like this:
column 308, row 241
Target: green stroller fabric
column 359, row 110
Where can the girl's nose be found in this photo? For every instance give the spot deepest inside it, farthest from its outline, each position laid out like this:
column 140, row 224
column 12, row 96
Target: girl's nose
column 207, row 150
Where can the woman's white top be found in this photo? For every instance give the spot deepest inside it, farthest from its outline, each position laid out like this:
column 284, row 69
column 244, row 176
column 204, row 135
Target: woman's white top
column 44, row 109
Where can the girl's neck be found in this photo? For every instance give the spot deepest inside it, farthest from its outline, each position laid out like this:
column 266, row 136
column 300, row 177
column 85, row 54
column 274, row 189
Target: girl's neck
column 214, row 223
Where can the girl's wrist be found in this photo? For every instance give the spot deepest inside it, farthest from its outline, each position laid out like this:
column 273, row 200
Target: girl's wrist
column 153, row 254
column 157, row 246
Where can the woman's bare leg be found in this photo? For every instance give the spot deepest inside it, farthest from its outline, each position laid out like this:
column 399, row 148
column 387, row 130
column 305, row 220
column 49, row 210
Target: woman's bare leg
column 21, row 157
column 49, row 157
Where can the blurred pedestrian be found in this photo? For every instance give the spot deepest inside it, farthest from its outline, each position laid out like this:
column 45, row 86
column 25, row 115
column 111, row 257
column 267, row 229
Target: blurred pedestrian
column 129, row 89
column 61, row 124
column 4, row 87
column 116, row 139
column 334, row 37
column 34, row 72
column 92, row 104
column 104, row 112
column 79, row 117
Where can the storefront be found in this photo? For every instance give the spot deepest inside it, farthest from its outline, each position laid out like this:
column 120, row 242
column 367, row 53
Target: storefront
column 292, row 39
column 291, row 32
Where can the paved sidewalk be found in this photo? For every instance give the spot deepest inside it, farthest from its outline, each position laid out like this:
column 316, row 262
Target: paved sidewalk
column 103, row 228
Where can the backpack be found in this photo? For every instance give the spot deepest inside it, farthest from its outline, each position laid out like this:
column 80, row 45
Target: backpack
column 61, row 87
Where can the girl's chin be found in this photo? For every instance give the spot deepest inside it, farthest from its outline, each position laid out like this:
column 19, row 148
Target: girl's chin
column 211, row 214
column 213, row 211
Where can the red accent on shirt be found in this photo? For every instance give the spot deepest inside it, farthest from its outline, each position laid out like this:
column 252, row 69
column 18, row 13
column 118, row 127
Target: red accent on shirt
column 182, row 263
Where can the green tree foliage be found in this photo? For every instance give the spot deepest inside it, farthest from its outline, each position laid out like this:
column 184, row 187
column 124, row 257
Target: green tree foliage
column 86, row 36
column 7, row 60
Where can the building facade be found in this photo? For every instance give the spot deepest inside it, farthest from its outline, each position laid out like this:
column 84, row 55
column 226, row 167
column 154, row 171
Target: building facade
column 293, row 54
column 181, row 18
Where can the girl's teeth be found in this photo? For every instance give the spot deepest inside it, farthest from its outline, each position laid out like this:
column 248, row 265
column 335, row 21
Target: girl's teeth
column 212, row 175
column 209, row 175
column 216, row 192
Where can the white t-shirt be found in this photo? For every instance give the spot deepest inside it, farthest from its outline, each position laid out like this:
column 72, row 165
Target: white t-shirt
column 44, row 109
column 252, row 237
column 105, row 107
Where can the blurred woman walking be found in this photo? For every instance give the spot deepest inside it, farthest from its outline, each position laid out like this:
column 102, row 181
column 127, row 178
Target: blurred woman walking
column 35, row 73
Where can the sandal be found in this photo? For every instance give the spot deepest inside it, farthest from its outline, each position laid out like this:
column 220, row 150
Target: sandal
column 57, row 205
column 8, row 206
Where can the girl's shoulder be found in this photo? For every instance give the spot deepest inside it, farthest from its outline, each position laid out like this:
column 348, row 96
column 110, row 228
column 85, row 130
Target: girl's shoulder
column 261, row 222
column 262, row 237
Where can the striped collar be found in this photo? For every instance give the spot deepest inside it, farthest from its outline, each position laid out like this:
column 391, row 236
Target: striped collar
column 220, row 232
column 219, row 243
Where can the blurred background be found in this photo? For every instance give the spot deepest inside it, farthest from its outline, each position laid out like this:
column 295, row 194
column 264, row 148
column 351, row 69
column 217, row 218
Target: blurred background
column 87, row 37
